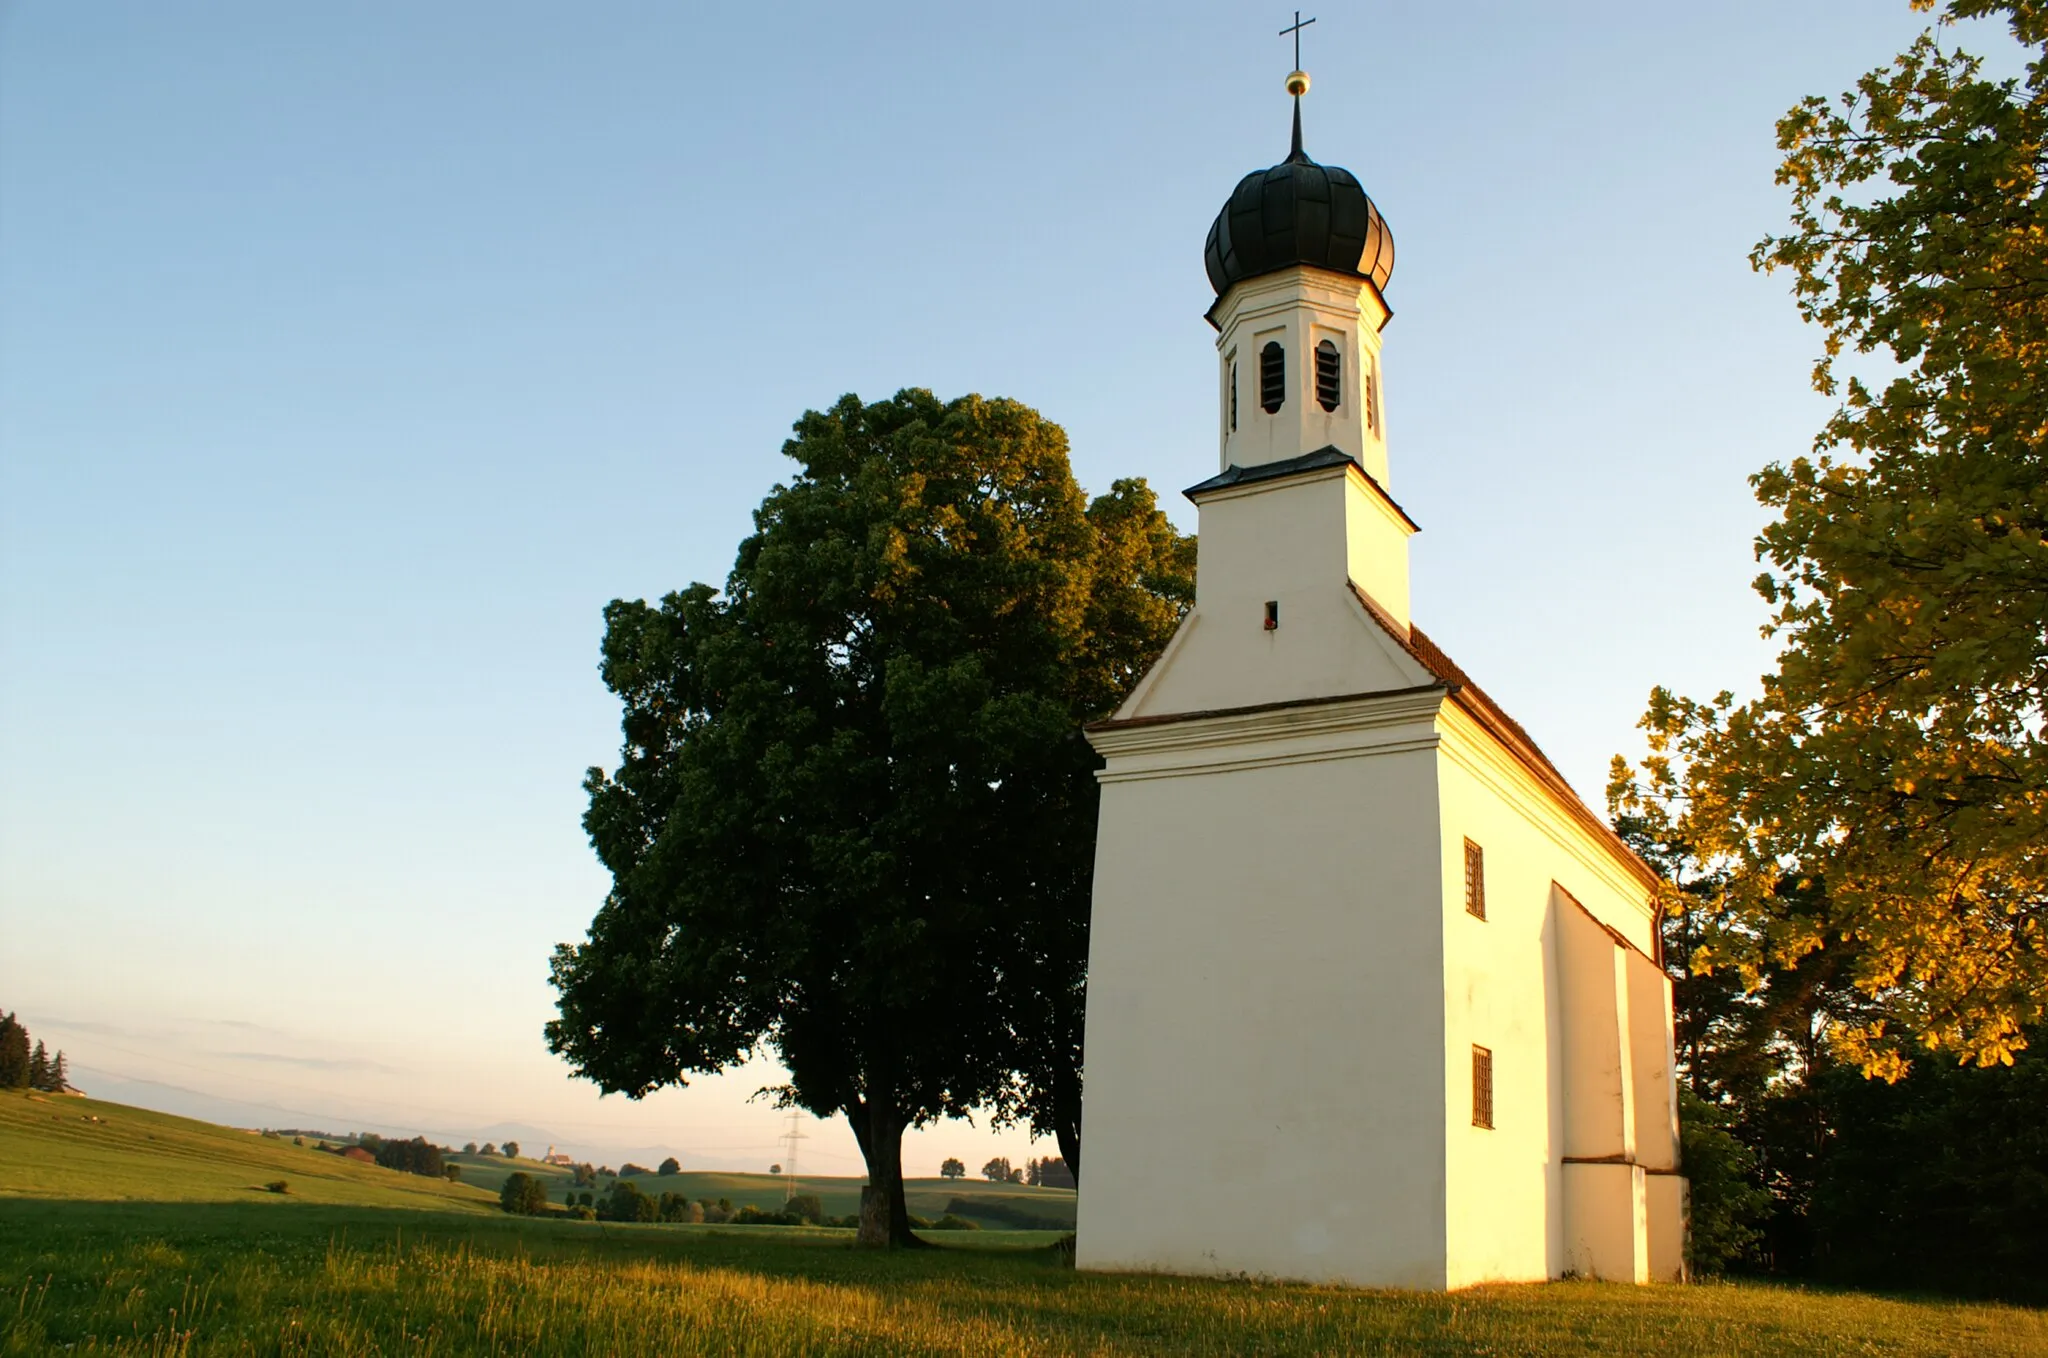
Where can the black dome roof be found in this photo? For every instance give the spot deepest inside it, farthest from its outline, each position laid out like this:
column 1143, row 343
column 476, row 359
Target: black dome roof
column 1298, row 212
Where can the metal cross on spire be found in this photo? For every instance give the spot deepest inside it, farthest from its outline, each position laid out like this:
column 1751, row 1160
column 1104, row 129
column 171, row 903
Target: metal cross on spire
column 1299, row 24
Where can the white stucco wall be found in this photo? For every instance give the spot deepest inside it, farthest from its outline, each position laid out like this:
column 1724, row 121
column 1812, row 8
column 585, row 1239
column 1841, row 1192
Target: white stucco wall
column 1264, row 1093
column 1545, row 988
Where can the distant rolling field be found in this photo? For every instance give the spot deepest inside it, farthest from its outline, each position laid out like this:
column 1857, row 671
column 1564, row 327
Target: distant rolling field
column 992, row 1203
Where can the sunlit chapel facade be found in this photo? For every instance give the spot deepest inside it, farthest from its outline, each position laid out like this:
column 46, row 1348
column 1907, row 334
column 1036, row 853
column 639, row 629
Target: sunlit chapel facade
column 1373, row 997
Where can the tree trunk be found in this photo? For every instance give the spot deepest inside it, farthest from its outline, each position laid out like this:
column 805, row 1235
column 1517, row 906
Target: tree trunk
column 1067, row 1115
column 884, row 1206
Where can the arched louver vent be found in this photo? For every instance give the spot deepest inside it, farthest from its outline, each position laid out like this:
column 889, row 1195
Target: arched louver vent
column 1372, row 398
column 1272, row 378
column 1329, row 389
column 1233, row 396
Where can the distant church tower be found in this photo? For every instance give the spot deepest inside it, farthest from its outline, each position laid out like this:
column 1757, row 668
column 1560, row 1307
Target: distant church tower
column 1373, row 997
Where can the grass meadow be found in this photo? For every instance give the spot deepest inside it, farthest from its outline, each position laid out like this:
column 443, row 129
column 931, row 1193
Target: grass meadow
column 144, row 1234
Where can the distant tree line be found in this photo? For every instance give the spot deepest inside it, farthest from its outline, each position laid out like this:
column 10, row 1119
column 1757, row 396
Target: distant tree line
column 26, row 1067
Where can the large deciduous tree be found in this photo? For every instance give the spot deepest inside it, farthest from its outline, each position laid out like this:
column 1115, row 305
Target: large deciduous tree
column 1895, row 765
column 853, row 819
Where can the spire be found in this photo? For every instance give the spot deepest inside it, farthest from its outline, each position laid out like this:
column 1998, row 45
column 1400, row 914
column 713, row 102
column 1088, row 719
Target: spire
column 1297, row 85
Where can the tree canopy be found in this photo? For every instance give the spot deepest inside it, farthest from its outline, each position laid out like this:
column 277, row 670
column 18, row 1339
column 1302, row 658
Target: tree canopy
column 853, row 817
column 1885, row 800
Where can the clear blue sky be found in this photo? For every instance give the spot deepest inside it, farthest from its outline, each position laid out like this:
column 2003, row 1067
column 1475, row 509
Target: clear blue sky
column 352, row 357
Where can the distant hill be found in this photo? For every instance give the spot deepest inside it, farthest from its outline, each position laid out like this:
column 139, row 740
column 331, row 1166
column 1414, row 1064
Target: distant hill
column 993, row 1204
column 65, row 1147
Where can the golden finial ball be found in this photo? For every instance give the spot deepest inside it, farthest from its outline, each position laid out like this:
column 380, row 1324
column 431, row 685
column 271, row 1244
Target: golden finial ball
column 1297, row 83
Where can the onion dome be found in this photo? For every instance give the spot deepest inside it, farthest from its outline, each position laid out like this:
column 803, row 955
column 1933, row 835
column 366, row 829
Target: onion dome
column 1298, row 212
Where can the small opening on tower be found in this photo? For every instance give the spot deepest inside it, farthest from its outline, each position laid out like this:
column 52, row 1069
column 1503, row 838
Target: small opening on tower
column 1372, row 399
column 1233, row 396
column 1272, row 377
column 1329, row 386
column 1272, row 614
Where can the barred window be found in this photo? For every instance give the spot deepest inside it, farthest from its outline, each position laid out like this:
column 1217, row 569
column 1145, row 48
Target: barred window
column 1272, row 377
column 1475, row 880
column 1329, row 388
column 1482, row 1087
column 1371, row 382
column 1233, row 396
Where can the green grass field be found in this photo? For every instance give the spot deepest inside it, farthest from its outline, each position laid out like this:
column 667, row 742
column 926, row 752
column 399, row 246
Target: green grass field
column 149, row 1234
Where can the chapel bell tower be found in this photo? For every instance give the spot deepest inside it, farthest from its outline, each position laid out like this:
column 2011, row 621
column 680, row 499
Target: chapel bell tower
column 1298, row 257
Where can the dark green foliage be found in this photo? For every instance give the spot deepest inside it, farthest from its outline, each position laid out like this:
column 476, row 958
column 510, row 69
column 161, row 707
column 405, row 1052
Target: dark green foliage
column 853, row 817
column 626, row 1202
column 671, row 1166
column 451, row 1171
column 523, row 1195
column 583, row 1212
column 1048, row 1172
column 950, row 1222
column 583, row 1176
column 278, row 1186
column 417, row 1156
column 952, row 1169
column 14, row 1057
column 1939, row 1180
column 512, row 1150
column 630, row 1168
column 806, row 1207
column 39, row 1067
column 1726, row 1202
column 998, row 1171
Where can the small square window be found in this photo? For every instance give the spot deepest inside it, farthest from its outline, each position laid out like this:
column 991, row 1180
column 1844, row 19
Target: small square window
column 1475, row 880
column 1482, row 1087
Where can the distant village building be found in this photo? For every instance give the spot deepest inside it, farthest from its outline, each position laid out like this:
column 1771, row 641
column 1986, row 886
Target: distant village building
column 554, row 1158
column 1374, row 998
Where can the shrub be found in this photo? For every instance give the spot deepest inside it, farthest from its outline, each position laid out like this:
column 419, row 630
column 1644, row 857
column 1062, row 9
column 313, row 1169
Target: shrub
column 523, row 1195
column 451, row 1172
column 583, row 1213
column 805, row 1207
column 630, row 1168
column 1725, row 1202
column 278, row 1186
column 949, row 1222
column 626, row 1202
column 671, row 1166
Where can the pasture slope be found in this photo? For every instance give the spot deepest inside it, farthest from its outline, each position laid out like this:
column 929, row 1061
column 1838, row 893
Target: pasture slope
column 140, row 1233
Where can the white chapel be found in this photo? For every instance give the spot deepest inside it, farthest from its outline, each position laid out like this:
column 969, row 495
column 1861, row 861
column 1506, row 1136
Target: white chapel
column 1374, row 998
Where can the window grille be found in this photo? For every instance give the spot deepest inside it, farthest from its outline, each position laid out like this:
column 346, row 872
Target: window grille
column 1233, row 396
column 1372, row 398
column 1482, row 1087
column 1475, row 880
column 1272, row 377
column 1329, row 388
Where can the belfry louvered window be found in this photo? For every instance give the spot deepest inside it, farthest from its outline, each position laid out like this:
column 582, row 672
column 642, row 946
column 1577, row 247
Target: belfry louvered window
column 1272, row 377
column 1482, row 1087
column 1371, row 382
column 1233, row 396
column 1329, row 386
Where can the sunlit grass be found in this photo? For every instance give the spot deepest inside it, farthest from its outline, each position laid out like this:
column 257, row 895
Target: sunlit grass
column 226, row 1279
column 145, row 1234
